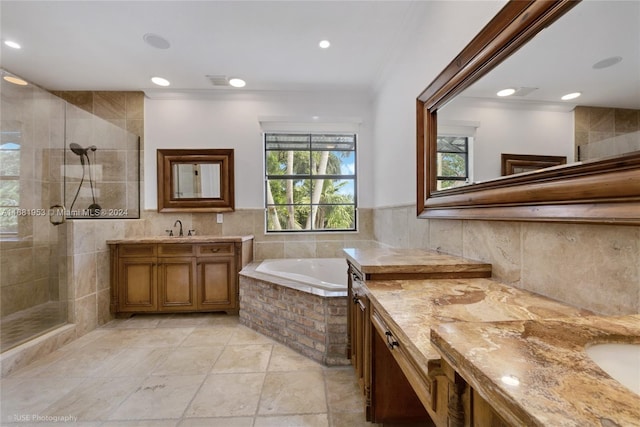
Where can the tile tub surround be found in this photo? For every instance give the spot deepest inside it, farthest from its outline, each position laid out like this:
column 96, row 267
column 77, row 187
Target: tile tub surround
column 559, row 385
column 205, row 369
column 313, row 325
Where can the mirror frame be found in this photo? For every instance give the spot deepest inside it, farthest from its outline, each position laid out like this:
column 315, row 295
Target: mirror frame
column 600, row 191
column 166, row 159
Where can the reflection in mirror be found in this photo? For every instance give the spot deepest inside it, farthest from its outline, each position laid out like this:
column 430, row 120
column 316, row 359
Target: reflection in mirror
column 594, row 49
column 199, row 180
column 196, row 180
column 524, row 47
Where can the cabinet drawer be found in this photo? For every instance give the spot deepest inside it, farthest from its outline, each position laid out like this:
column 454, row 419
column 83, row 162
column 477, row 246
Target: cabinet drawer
column 175, row 250
column 424, row 385
column 136, row 250
column 210, row 249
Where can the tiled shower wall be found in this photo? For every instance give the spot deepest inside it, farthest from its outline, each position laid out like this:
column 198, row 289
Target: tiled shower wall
column 596, row 267
column 603, row 132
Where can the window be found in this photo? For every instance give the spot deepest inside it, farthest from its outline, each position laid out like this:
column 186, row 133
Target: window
column 310, row 182
column 452, row 161
column 9, row 185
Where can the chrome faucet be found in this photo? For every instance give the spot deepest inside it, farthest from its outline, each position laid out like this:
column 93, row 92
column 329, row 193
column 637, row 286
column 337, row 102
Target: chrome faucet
column 179, row 222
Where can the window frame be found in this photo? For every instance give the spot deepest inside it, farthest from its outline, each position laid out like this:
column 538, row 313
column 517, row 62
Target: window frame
column 10, row 208
column 311, row 177
column 467, row 164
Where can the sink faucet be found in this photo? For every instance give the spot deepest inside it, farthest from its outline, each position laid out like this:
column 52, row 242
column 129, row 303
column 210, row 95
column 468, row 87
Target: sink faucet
column 179, row 222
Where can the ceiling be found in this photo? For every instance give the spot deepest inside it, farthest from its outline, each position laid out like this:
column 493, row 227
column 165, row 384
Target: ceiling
column 272, row 45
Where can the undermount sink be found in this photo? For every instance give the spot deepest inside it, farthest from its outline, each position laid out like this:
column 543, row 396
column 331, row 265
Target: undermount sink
column 620, row 360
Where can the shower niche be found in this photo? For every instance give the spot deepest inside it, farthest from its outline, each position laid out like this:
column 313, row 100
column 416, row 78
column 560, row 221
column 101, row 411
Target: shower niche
column 101, row 168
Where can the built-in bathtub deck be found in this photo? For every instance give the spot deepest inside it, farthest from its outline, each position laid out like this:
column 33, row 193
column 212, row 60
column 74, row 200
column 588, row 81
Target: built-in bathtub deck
column 313, row 325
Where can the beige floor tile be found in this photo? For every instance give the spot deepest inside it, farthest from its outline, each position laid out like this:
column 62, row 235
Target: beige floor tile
column 79, row 364
column 217, row 335
column 134, row 362
column 311, row 420
column 138, row 321
column 227, row 395
column 189, row 361
column 243, row 358
column 141, row 423
column 343, row 392
column 159, row 397
column 284, row 359
column 244, row 335
column 184, row 320
column 94, row 399
column 296, row 392
column 25, row 397
column 165, row 337
column 350, row 419
column 217, row 422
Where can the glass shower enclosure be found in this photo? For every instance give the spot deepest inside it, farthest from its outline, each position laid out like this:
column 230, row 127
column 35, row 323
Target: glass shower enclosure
column 57, row 162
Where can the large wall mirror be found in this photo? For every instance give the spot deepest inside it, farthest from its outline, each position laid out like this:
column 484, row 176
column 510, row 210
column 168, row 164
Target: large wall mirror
column 195, row 180
column 541, row 50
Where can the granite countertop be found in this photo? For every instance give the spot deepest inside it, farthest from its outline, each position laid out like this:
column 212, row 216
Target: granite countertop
column 412, row 307
column 185, row 239
column 416, row 261
column 558, row 384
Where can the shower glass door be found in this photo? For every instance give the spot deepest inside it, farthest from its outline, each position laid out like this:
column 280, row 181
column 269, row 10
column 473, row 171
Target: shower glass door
column 33, row 291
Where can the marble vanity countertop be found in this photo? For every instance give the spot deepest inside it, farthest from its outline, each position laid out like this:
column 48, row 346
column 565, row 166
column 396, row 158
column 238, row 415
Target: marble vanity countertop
column 412, row 307
column 185, row 239
column 557, row 383
column 416, row 261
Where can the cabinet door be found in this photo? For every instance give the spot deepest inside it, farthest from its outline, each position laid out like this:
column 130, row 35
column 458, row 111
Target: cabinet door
column 217, row 283
column 137, row 284
column 176, row 284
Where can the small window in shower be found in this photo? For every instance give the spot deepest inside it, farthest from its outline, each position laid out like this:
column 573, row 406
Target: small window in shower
column 9, row 183
column 101, row 169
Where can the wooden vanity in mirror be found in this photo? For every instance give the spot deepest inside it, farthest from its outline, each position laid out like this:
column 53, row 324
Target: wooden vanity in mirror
column 197, row 180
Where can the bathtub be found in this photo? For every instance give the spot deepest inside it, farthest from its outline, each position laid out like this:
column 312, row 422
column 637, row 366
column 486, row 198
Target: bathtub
column 318, row 276
column 301, row 303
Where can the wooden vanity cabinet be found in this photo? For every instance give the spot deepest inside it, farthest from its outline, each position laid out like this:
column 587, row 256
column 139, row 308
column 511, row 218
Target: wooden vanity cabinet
column 177, row 277
column 465, row 406
column 217, row 278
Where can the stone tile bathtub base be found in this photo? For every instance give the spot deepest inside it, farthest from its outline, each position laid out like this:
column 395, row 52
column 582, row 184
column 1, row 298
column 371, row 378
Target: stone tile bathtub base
column 312, row 325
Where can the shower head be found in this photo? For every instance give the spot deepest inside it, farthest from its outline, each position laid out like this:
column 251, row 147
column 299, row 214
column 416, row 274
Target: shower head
column 77, row 149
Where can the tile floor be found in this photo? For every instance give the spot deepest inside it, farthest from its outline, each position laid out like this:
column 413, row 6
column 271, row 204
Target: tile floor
column 179, row 370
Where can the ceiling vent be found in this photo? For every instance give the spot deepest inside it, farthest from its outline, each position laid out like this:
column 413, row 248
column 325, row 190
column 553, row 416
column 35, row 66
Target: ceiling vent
column 218, row 80
column 524, row 91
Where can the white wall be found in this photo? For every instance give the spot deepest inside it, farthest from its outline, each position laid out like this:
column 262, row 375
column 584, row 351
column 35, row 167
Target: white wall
column 511, row 128
column 230, row 120
column 446, row 29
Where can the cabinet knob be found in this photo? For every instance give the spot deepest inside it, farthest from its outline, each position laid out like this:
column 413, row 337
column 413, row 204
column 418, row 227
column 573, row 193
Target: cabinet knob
column 355, row 299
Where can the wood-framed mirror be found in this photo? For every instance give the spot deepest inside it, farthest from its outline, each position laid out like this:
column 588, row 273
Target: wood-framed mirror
column 198, row 180
column 601, row 190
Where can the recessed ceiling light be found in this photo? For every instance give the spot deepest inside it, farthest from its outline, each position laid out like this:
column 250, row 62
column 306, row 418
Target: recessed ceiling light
column 324, row 44
column 607, row 62
column 12, row 44
column 506, row 92
column 569, row 96
column 156, row 41
column 15, row 80
column 160, row 81
column 235, row 82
